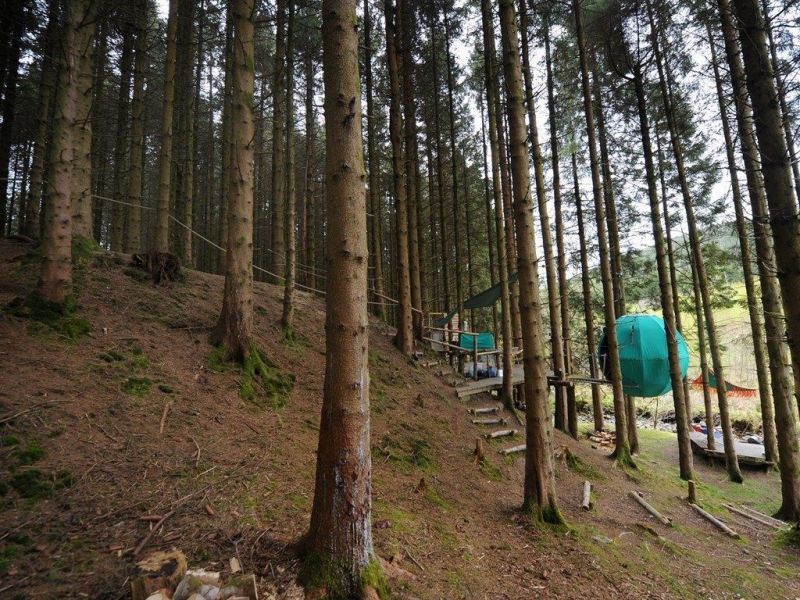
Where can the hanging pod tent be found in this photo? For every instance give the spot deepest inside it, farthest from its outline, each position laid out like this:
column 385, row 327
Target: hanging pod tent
column 643, row 355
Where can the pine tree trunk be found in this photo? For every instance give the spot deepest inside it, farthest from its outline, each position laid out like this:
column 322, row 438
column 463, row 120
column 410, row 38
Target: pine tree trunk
column 673, row 273
column 198, row 203
column 310, row 209
column 55, row 281
column 701, row 343
column 234, row 331
column 9, row 92
column 563, row 281
column 487, row 194
column 756, row 321
column 289, row 238
column 121, row 141
column 278, row 197
column 413, row 192
column 340, row 535
column 622, row 451
column 375, row 208
column 162, row 241
column 405, row 332
column 443, row 236
column 540, row 493
column 134, row 237
column 588, row 313
column 43, row 123
column 781, row 89
column 566, row 417
column 224, row 184
column 82, row 136
column 454, row 171
column 100, row 136
column 731, row 460
column 668, row 307
column 507, row 392
column 776, row 192
column 615, row 254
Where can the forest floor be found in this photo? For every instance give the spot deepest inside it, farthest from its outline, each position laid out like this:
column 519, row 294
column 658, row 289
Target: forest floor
column 82, row 460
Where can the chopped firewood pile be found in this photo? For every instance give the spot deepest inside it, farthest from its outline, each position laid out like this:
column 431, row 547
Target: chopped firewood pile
column 166, row 576
column 604, row 439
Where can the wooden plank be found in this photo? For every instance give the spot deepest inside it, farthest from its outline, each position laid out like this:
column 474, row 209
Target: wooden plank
column 513, row 450
column 638, row 497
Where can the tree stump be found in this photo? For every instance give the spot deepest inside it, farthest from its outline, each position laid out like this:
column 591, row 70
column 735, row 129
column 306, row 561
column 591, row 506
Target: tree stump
column 159, row 570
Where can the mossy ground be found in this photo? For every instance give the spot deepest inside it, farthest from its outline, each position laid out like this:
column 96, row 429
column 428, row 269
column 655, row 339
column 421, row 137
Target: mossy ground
column 58, row 318
column 262, row 383
column 336, row 579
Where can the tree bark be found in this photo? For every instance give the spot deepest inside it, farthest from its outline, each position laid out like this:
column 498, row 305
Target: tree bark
column 43, row 123
column 234, row 331
column 291, row 189
column 731, row 460
column 540, row 493
column 162, row 242
column 224, row 185
column 9, row 91
column 55, row 280
column 375, row 209
column 339, row 542
column 622, row 452
column 756, row 321
column 310, row 210
column 615, row 254
column 566, row 417
column 121, row 141
column 82, row 136
column 563, row 281
column 588, row 312
column 668, row 307
column 405, row 332
column 783, row 218
column 278, row 199
column 134, row 237
column 507, row 391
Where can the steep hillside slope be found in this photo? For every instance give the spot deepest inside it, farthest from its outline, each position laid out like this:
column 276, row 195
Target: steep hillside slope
column 84, row 458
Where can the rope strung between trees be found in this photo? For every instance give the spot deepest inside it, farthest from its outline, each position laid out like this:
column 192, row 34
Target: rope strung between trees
column 218, row 247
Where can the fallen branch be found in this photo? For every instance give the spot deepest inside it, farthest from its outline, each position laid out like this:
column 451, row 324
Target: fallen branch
column 197, row 455
column 719, row 524
column 164, row 417
column 155, row 528
column 587, row 496
column 414, row 560
column 777, row 522
column 15, row 415
column 513, row 449
column 638, row 497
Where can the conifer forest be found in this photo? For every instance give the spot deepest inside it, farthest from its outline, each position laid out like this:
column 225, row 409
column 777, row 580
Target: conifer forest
column 413, row 299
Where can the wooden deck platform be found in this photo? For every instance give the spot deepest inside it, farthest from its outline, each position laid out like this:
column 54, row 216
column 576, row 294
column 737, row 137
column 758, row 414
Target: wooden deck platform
column 471, row 388
column 748, row 454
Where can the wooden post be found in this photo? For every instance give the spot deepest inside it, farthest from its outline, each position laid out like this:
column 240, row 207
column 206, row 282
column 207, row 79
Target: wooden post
column 692, row 492
column 475, row 356
column 586, row 504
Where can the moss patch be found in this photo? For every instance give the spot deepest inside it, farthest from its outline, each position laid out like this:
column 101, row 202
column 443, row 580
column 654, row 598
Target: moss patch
column 136, row 386
column 262, row 383
column 335, row 578
column 36, row 485
column 59, row 318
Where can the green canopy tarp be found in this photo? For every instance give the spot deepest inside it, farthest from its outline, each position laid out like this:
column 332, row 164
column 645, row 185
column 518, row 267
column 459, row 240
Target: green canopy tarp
column 484, row 299
column 485, row 341
column 643, row 355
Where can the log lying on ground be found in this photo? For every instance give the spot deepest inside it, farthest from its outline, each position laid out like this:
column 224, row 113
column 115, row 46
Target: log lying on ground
column 501, row 433
column 719, row 524
column 487, row 410
column 776, row 522
column 640, row 499
column 498, row 421
column 586, row 504
column 755, row 518
column 513, row 450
